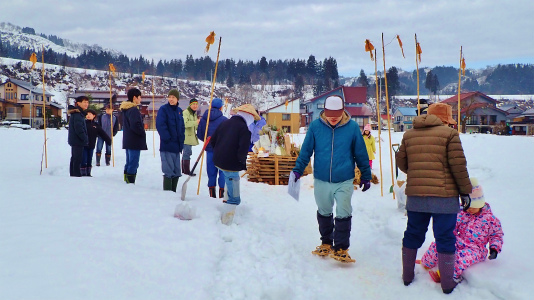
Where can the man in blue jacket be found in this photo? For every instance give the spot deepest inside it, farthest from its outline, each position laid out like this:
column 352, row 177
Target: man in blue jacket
column 171, row 130
column 338, row 145
column 133, row 134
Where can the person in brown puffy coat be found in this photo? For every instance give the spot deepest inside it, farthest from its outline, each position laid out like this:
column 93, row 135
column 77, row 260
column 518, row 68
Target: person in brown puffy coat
column 432, row 156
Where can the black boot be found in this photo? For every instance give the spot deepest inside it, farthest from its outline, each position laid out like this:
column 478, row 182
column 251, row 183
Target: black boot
column 408, row 265
column 167, row 183
column 212, row 192
column 187, row 168
column 88, row 171
column 98, row 156
column 326, row 228
column 83, row 171
column 174, row 183
column 446, row 272
column 342, row 228
column 108, row 159
column 130, row 178
column 221, row 192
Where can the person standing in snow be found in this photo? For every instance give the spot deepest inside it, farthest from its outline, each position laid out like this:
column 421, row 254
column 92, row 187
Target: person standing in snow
column 171, row 130
column 93, row 130
column 133, row 134
column 230, row 144
column 216, row 118
column 77, row 138
column 370, row 143
column 338, row 145
column 433, row 159
column 104, row 120
column 475, row 228
column 191, row 124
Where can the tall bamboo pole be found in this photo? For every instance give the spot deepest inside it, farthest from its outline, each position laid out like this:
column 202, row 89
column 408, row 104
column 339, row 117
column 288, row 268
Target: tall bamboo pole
column 44, row 111
column 379, row 127
column 153, row 121
column 387, row 107
column 417, row 68
column 459, row 88
column 111, row 117
column 209, row 112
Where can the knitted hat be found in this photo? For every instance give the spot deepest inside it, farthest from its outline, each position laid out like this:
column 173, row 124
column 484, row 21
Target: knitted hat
column 442, row 111
column 333, row 106
column 248, row 108
column 477, row 194
column 217, row 103
column 175, row 93
column 367, row 127
column 193, row 101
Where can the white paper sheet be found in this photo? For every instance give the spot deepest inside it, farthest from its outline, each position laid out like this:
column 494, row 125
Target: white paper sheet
column 293, row 188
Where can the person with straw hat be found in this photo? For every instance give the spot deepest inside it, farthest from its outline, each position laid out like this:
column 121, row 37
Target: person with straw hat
column 230, row 144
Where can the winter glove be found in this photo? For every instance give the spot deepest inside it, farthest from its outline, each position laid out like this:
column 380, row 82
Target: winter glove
column 466, row 201
column 493, row 254
column 297, row 176
column 366, row 184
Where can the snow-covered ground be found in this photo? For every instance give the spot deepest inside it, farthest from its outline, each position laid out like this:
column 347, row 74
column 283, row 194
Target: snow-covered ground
column 98, row 238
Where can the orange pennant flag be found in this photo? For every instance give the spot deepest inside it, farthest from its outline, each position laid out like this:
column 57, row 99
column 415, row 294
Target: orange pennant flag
column 418, row 51
column 369, row 48
column 210, row 40
column 462, row 65
column 33, row 59
column 287, row 103
column 112, row 69
column 143, row 76
column 400, row 44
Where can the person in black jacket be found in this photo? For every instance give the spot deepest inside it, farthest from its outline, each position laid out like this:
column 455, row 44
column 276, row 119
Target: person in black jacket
column 93, row 130
column 230, row 144
column 133, row 134
column 105, row 119
column 77, row 134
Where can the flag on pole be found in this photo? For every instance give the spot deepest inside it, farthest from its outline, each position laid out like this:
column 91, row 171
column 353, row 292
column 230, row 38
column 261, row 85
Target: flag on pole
column 463, row 66
column 400, row 44
column 143, row 76
column 33, row 59
column 210, row 40
column 287, row 103
column 112, row 69
column 418, row 51
column 369, row 48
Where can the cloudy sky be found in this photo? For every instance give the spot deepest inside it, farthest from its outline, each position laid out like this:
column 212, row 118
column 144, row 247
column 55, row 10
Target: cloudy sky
column 490, row 31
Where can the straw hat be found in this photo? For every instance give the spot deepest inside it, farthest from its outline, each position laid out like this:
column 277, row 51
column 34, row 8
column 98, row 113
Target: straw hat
column 248, row 108
column 442, row 111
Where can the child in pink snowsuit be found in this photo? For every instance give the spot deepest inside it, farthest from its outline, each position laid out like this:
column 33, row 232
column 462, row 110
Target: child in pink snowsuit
column 475, row 228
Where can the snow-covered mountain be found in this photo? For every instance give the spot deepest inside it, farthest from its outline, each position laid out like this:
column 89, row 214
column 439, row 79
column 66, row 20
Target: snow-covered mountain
column 14, row 35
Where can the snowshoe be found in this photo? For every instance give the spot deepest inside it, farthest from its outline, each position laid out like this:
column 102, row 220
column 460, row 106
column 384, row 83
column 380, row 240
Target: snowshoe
column 323, row 250
column 342, row 256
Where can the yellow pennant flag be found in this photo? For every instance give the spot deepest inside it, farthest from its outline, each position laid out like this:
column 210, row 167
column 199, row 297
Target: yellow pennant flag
column 462, row 65
column 400, row 44
column 33, row 59
column 210, row 40
column 418, row 51
column 369, row 48
column 143, row 76
column 287, row 103
column 112, row 69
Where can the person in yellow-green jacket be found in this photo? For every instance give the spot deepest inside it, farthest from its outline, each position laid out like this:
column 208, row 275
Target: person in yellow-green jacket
column 191, row 124
column 370, row 143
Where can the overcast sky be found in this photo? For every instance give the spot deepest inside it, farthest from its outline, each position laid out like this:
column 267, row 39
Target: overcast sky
column 490, row 31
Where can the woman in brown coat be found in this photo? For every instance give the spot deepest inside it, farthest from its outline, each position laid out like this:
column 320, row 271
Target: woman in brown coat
column 432, row 156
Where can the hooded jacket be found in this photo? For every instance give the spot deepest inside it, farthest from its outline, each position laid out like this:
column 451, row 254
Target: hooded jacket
column 216, row 118
column 171, row 129
column 230, row 143
column 190, row 121
column 337, row 149
column 94, row 130
column 432, row 156
column 77, row 129
column 133, row 131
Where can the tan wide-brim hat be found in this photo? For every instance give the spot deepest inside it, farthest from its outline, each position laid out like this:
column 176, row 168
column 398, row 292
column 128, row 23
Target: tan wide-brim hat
column 442, row 111
column 248, row 108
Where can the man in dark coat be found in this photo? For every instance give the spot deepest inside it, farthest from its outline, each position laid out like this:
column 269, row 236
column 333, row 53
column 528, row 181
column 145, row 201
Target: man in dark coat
column 93, row 131
column 105, row 120
column 230, row 144
column 133, row 134
column 171, row 130
column 77, row 134
column 216, row 118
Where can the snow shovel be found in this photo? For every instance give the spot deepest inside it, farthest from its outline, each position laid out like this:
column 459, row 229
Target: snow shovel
column 184, row 186
column 395, row 148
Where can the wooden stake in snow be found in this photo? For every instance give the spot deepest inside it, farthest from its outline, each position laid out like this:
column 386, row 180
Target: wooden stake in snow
column 44, row 112
column 460, row 71
column 387, row 107
column 111, row 73
column 417, row 60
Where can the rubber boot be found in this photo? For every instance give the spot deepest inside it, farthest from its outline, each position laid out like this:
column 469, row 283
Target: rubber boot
column 108, row 159
column 326, row 228
column 187, row 168
column 212, row 192
column 167, row 183
column 98, row 156
column 221, row 192
column 408, row 265
column 184, row 171
column 174, row 183
column 88, row 171
column 446, row 272
column 125, row 178
column 83, row 171
column 130, row 178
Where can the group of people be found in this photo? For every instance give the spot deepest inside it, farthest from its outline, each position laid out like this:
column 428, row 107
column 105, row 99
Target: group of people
column 431, row 155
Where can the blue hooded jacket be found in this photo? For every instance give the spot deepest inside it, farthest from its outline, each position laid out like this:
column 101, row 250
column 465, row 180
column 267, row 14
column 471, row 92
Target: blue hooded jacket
column 337, row 149
column 171, row 128
column 216, row 118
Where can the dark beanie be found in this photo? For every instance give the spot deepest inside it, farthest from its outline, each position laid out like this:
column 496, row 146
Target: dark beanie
column 193, row 101
column 175, row 93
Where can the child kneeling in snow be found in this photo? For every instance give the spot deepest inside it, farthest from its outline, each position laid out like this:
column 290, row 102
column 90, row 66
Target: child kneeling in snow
column 475, row 228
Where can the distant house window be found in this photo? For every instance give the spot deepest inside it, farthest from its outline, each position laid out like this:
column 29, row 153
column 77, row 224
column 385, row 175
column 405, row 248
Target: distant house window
column 398, row 118
column 320, row 105
column 39, row 111
column 472, row 120
column 15, row 96
column 483, row 120
column 24, row 97
column 493, row 119
column 286, row 117
column 48, row 98
column 358, row 120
